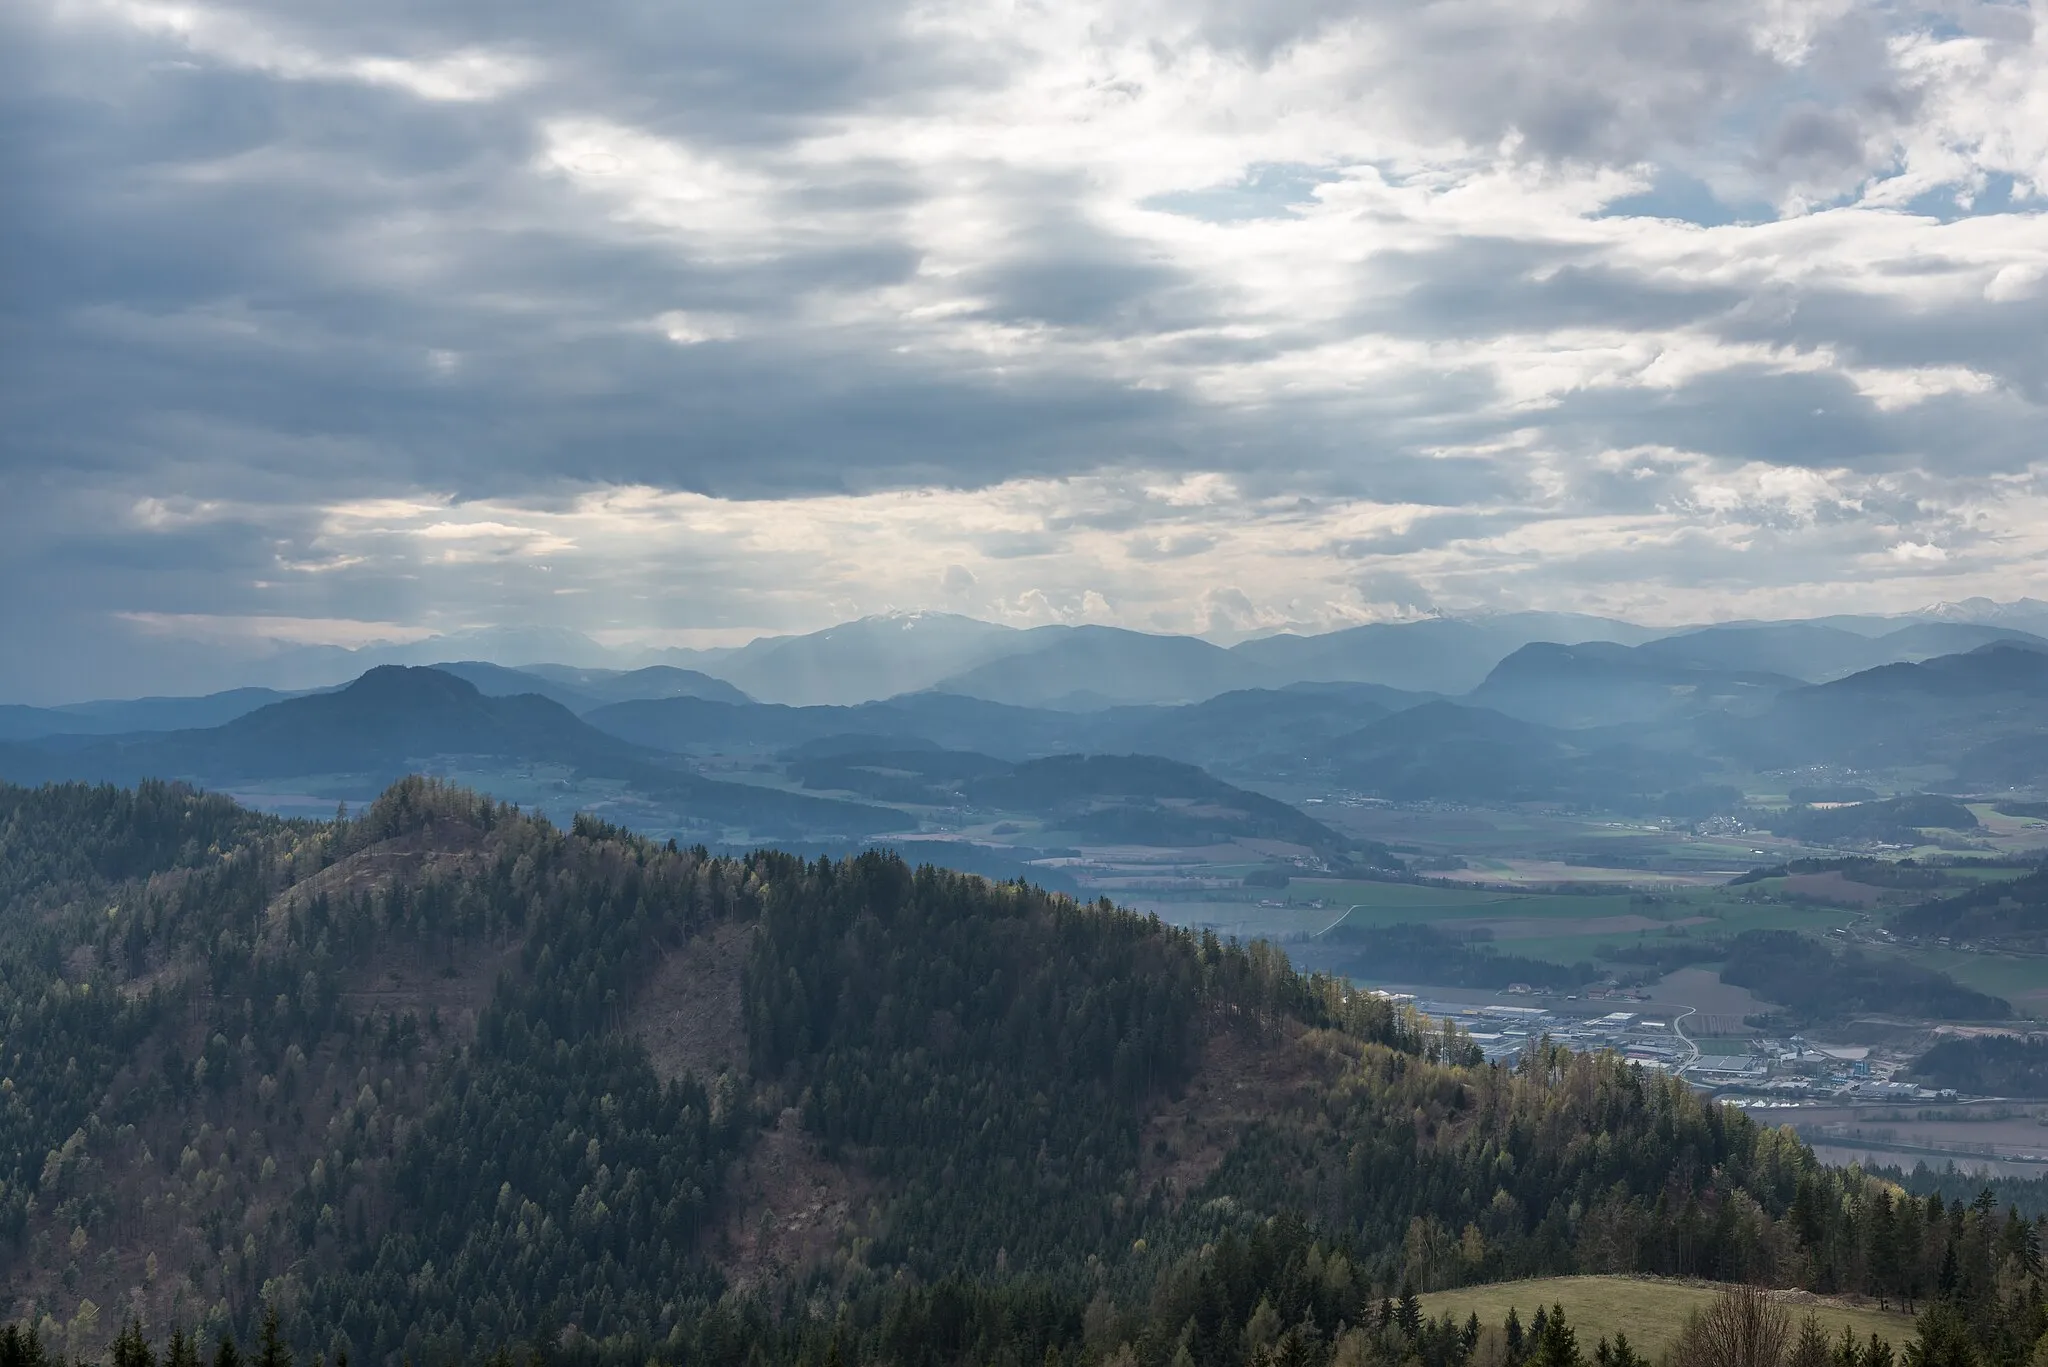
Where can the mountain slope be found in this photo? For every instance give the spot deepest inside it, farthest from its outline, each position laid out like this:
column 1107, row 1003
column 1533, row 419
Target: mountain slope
column 383, row 723
column 1443, row 750
column 1816, row 653
column 1436, row 655
column 1092, row 667
column 604, row 686
column 1807, row 651
column 1982, row 715
column 1600, row 684
column 501, row 681
column 697, row 726
column 1432, row 655
column 1232, row 728
column 854, row 662
column 396, row 720
column 391, row 1077
column 114, row 716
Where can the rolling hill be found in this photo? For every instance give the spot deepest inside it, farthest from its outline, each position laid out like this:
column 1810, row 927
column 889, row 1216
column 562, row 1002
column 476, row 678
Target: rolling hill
column 396, row 720
column 859, row 661
column 1601, row 684
column 585, row 690
column 1446, row 751
column 604, row 686
column 1087, row 668
column 116, row 716
column 1816, row 652
column 1233, row 729
column 1980, row 714
column 383, row 724
column 1435, row 655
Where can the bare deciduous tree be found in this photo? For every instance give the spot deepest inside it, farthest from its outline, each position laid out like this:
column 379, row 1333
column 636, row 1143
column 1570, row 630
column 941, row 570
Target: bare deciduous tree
column 1744, row 1327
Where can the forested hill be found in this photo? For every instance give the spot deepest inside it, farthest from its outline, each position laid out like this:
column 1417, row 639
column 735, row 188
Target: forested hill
column 444, row 1079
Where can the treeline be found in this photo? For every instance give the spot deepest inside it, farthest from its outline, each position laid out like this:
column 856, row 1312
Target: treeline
column 1276, row 1296
column 1986, row 1065
column 2026, row 1195
column 1866, row 869
column 2010, row 915
column 1892, row 821
column 1816, row 983
column 1668, row 953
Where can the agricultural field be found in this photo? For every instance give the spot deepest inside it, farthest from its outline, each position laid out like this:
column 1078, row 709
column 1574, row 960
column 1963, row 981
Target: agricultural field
column 2002, row 1137
column 2021, row 979
column 1650, row 1310
column 1569, row 926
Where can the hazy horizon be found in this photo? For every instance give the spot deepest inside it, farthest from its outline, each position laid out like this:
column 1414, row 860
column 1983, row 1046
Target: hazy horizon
column 300, row 666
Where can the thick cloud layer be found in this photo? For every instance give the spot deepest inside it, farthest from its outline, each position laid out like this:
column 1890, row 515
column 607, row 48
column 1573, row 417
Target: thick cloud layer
column 339, row 321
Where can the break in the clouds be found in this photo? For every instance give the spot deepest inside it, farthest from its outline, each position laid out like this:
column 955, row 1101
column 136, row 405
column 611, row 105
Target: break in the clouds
column 338, row 320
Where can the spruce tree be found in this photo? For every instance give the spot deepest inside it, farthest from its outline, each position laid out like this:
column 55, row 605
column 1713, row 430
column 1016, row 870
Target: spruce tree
column 273, row 1353
column 131, row 1349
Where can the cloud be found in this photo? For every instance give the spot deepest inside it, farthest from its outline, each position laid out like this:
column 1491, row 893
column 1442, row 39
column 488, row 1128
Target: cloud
column 444, row 315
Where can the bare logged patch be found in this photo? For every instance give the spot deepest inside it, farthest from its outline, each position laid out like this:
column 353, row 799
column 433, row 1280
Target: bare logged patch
column 449, row 848
column 688, row 1014
column 1237, row 1083
column 454, row 990
column 790, row 1207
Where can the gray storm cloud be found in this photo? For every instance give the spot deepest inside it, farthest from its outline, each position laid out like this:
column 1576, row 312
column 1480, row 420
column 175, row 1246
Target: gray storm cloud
column 379, row 317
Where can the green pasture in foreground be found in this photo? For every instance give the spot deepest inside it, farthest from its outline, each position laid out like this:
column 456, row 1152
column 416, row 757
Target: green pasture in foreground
column 1650, row 1310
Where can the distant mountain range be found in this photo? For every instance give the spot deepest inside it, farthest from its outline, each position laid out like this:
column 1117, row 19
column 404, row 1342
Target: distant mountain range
column 396, row 720
column 1679, row 723
column 1094, row 667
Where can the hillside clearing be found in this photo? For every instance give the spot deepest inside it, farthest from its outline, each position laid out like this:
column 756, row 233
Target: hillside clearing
column 1650, row 1310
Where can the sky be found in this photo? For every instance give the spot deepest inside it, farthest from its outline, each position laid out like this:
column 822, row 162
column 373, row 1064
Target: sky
column 356, row 320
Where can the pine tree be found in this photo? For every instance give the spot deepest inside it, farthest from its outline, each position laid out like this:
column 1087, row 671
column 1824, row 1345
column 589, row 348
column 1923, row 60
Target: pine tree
column 273, row 1353
column 1811, row 1348
column 1556, row 1344
column 1621, row 1353
column 1408, row 1312
column 22, row 1347
column 131, row 1349
column 1943, row 1339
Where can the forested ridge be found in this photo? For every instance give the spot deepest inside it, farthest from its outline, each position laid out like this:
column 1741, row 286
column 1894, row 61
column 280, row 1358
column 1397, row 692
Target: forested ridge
column 386, row 1079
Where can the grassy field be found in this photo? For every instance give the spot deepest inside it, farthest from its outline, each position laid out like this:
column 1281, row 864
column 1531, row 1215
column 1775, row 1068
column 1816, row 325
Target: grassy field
column 1650, row 1311
column 1564, row 927
column 2020, row 979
